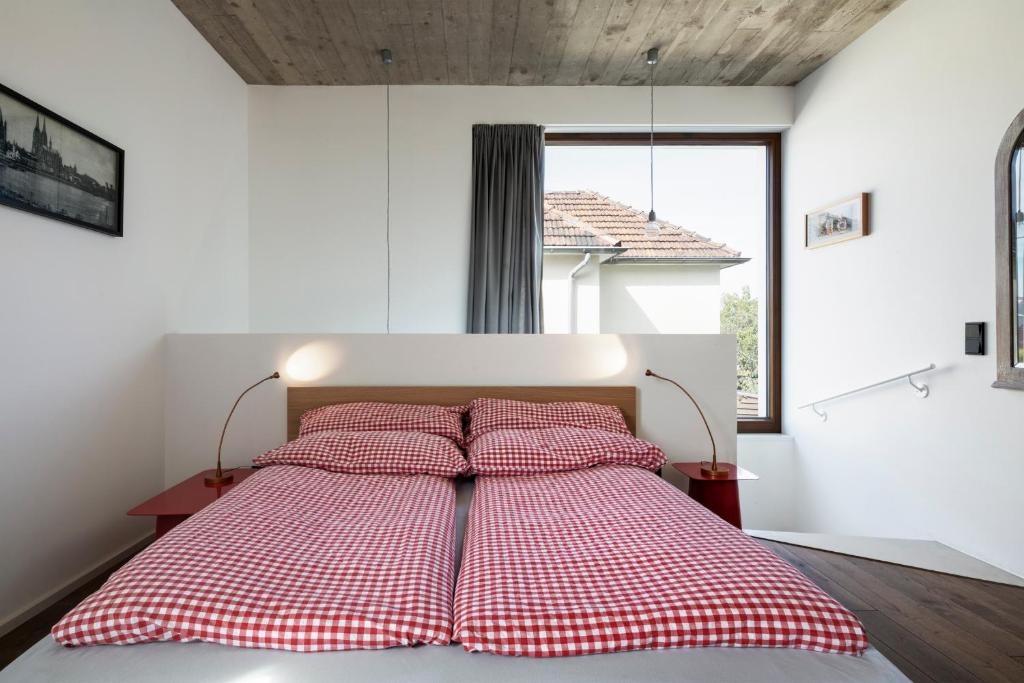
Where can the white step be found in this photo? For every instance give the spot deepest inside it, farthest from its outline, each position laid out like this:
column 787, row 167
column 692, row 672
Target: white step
column 923, row 554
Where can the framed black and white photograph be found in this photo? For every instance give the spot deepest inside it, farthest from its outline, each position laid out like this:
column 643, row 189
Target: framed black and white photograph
column 844, row 220
column 52, row 167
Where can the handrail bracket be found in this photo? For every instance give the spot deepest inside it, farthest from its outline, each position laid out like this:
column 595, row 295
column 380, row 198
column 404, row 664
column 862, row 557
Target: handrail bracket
column 922, row 389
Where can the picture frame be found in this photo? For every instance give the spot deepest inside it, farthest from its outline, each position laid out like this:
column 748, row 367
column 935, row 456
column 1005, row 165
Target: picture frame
column 841, row 221
column 54, row 168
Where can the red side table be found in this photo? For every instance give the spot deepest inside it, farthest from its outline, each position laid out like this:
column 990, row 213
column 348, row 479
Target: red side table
column 721, row 495
column 178, row 503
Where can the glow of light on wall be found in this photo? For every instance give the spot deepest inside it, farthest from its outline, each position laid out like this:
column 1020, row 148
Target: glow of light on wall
column 605, row 357
column 313, row 361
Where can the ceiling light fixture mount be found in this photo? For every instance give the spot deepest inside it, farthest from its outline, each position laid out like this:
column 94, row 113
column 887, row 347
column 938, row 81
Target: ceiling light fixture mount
column 651, row 228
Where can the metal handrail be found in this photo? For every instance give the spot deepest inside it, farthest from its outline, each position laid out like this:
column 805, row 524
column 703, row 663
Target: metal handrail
column 922, row 390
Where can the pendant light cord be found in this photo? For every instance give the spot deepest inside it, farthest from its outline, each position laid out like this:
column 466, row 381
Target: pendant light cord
column 387, row 203
column 652, row 137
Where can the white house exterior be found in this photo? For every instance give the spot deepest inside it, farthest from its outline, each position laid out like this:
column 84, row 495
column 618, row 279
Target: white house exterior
column 603, row 273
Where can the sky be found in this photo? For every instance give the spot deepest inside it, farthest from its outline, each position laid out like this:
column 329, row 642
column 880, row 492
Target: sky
column 717, row 192
column 96, row 161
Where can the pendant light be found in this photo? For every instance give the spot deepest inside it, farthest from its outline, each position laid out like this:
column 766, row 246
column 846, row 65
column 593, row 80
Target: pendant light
column 651, row 228
column 386, row 60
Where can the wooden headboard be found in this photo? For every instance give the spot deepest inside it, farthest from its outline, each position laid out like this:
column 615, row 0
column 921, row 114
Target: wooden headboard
column 301, row 399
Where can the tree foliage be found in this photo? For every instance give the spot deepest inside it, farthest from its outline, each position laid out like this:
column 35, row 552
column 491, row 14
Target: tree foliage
column 739, row 317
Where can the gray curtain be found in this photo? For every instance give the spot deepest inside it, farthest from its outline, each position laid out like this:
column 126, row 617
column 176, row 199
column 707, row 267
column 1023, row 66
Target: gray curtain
column 507, row 240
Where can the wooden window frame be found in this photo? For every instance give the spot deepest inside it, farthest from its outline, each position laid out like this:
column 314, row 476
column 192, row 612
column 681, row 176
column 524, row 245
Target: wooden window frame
column 772, row 143
column 1008, row 374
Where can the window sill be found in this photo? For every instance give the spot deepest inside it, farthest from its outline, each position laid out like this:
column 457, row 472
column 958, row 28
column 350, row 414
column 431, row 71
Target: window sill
column 764, row 425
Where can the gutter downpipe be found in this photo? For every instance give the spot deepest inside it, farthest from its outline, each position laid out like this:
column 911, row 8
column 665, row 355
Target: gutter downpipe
column 572, row 291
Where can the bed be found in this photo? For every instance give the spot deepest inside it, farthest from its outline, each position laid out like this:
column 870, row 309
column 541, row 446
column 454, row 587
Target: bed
column 176, row 661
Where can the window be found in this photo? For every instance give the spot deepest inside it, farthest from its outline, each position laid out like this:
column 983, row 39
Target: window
column 712, row 267
column 1010, row 258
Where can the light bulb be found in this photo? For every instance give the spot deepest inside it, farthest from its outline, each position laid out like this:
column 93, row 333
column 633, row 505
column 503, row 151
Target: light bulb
column 651, row 227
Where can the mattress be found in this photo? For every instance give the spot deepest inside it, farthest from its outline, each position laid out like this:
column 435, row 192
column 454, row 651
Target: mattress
column 613, row 558
column 175, row 662
column 293, row 558
column 47, row 662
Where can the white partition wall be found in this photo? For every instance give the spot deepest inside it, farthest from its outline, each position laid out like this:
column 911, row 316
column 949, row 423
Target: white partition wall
column 205, row 372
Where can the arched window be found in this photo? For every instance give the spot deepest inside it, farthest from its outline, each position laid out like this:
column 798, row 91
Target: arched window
column 1010, row 257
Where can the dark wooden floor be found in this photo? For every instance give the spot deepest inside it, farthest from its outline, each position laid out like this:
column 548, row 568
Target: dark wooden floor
column 934, row 627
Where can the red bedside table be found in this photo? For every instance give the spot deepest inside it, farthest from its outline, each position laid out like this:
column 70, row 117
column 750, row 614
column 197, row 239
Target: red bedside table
column 178, row 503
column 721, row 495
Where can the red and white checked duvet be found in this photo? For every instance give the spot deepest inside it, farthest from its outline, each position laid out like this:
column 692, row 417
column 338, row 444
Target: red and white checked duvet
column 613, row 558
column 294, row 558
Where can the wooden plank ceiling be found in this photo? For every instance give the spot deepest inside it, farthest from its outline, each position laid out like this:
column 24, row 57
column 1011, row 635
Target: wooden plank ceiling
column 530, row 42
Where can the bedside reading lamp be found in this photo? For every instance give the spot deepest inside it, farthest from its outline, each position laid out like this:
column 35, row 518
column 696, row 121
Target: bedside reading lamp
column 708, row 469
column 219, row 477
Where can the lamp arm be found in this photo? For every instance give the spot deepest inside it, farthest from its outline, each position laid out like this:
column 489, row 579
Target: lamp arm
column 714, row 448
column 237, row 401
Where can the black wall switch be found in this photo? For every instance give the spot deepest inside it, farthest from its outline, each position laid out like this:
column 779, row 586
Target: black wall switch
column 974, row 339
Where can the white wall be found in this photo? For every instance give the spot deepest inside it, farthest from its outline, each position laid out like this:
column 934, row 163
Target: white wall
column 630, row 299
column 205, row 372
column 83, row 314
column 913, row 112
column 660, row 299
column 317, row 180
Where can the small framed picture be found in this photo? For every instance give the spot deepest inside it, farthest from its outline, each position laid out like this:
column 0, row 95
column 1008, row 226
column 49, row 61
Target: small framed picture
column 844, row 220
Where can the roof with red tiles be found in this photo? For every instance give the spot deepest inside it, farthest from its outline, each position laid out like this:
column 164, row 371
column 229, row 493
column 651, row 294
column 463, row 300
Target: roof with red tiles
column 581, row 219
column 562, row 229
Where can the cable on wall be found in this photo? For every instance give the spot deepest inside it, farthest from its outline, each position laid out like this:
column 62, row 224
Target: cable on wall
column 386, row 59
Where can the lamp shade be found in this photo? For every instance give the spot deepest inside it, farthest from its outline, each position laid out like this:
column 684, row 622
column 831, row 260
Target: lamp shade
column 651, row 227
